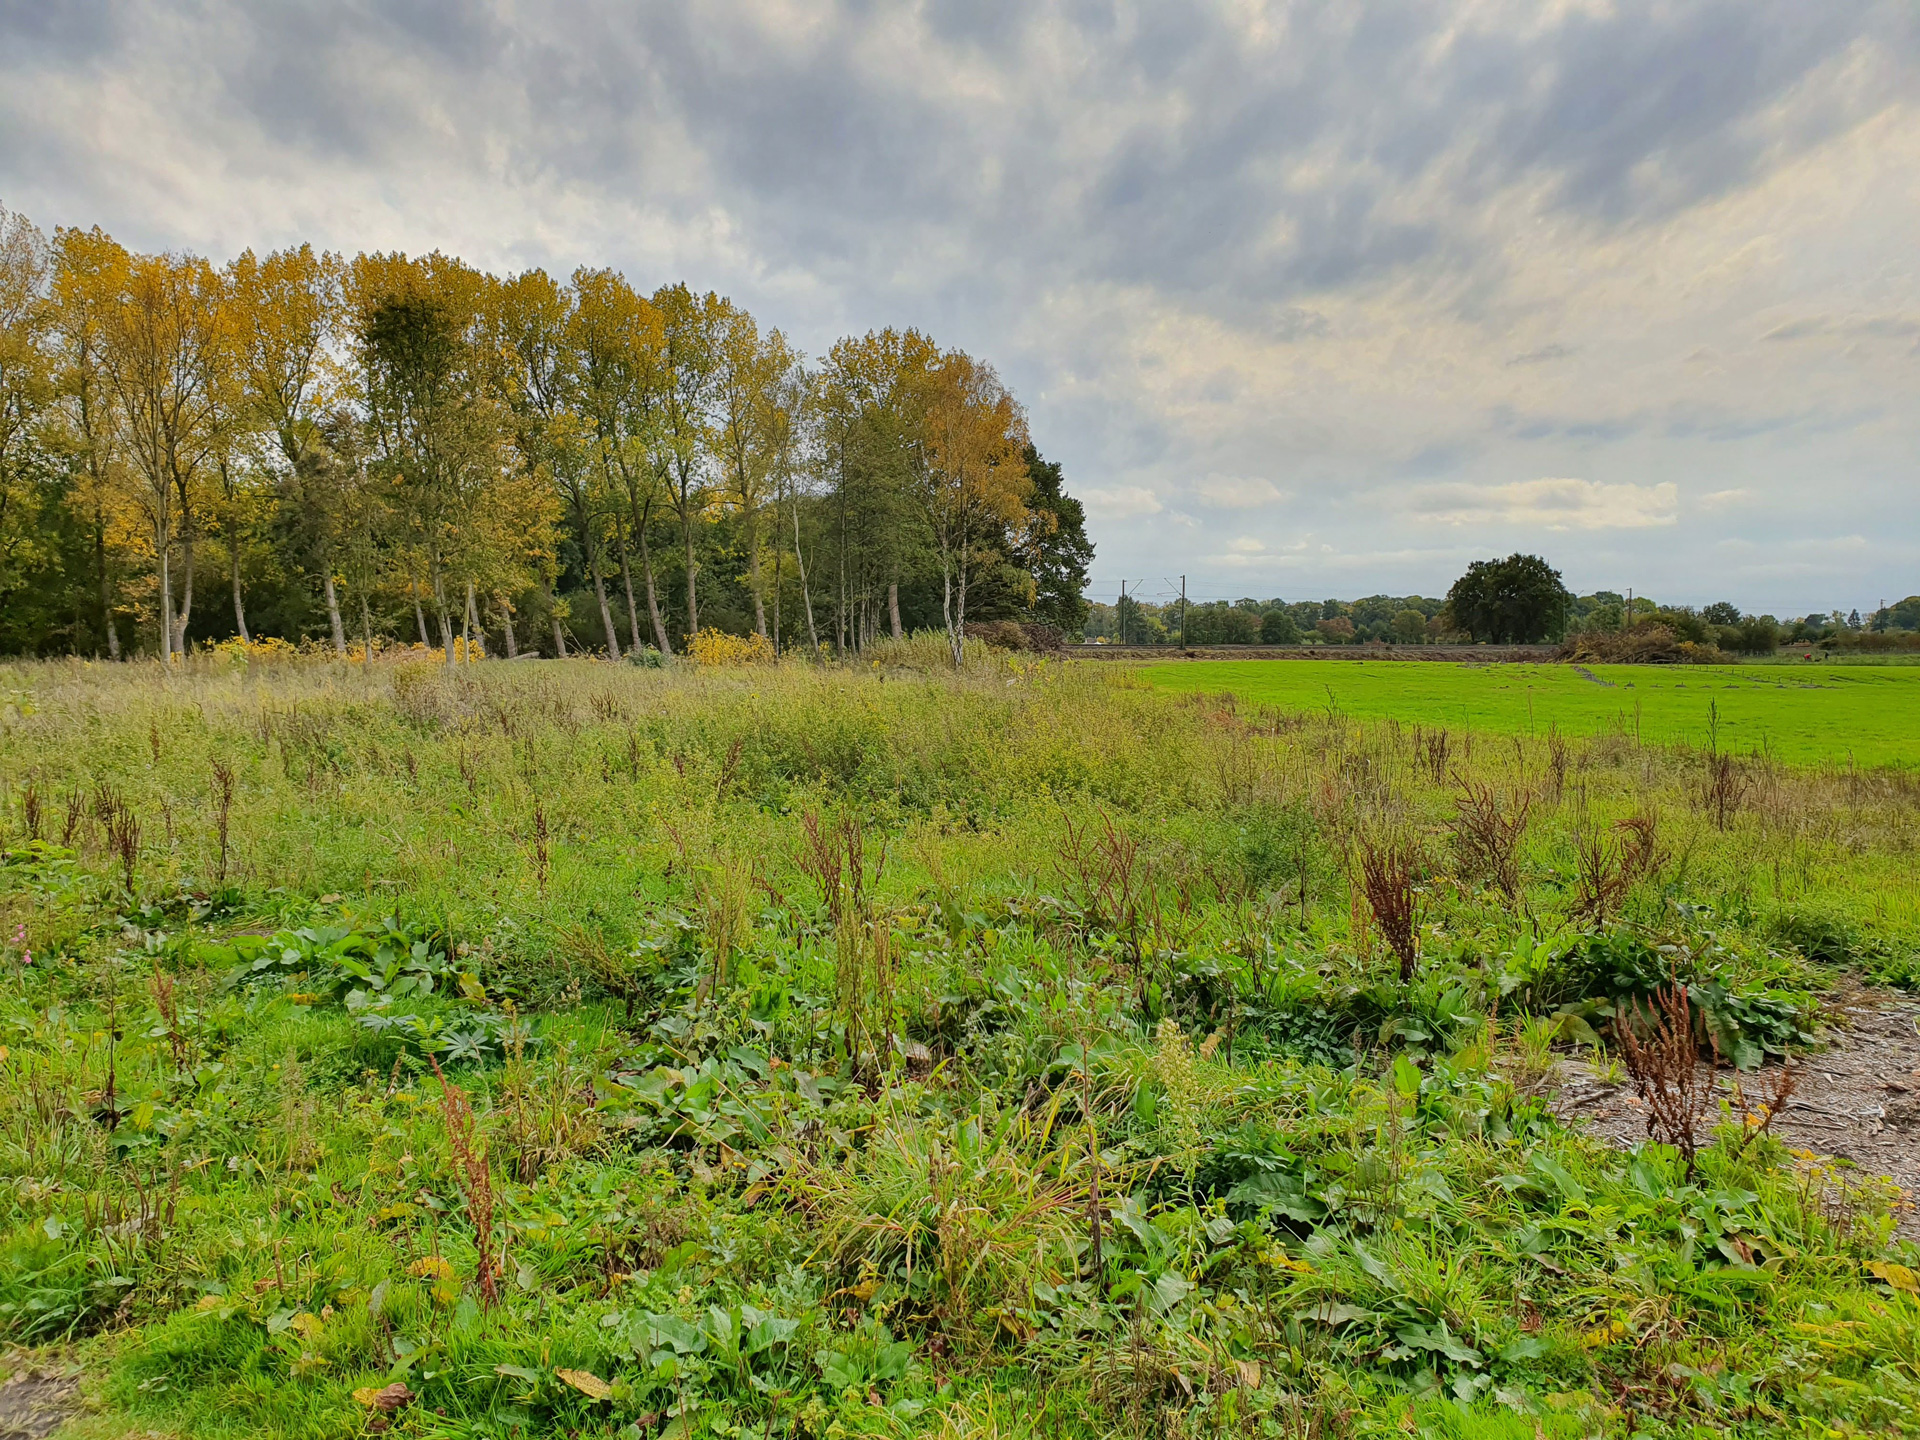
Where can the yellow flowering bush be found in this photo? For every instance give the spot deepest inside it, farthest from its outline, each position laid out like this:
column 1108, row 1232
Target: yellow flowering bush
column 717, row 647
column 238, row 652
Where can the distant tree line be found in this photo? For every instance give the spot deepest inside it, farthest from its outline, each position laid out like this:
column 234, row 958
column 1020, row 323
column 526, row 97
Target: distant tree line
column 1724, row 626
column 1518, row 600
column 312, row 447
column 1399, row 620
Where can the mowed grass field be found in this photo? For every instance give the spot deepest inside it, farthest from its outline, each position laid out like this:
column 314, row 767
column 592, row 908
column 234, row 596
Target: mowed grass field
column 1866, row 715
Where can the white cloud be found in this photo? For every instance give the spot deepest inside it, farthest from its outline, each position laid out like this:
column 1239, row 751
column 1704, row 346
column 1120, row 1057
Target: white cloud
column 1119, row 502
column 1247, row 545
column 1238, row 492
column 1552, row 504
column 1721, row 499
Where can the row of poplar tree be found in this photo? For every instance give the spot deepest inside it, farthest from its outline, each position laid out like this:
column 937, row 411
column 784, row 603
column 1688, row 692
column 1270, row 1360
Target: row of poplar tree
column 395, row 446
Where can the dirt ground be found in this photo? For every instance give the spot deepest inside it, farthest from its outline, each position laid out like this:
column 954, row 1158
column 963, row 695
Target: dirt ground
column 1858, row 1098
column 34, row 1405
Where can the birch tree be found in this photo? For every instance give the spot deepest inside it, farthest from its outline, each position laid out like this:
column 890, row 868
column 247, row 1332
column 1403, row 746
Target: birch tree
column 868, row 405
column 972, row 473
column 683, row 435
column 89, row 272
column 554, row 435
column 620, row 341
column 286, row 311
column 435, row 422
column 26, row 388
column 158, row 354
column 750, row 427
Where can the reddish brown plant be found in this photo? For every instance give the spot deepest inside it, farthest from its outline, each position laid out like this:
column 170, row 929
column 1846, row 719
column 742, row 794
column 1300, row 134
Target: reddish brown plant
column 470, row 1170
column 1664, row 1065
column 1386, row 876
column 1487, row 831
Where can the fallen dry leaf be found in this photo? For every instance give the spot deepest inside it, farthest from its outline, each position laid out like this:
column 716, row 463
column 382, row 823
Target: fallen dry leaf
column 587, row 1383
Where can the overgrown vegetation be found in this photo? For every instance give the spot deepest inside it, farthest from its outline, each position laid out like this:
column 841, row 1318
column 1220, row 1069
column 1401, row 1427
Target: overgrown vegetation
column 767, row 1050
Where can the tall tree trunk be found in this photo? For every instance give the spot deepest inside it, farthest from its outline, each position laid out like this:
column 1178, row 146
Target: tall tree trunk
column 506, row 626
column 440, row 607
column 840, row 608
column 753, row 571
column 653, row 598
column 606, row 613
column 239, row 602
column 186, row 592
column 693, row 598
column 779, row 494
column 806, row 596
column 946, row 604
column 333, row 612
column 589, row 543
column 553, row 611
column 626, row 581
column 473, row 625
column 893, row 606
column 366, row 634
column 419, row 615
column 960, row 613
column 233, row 551
column 106, row 586
column 163, row 545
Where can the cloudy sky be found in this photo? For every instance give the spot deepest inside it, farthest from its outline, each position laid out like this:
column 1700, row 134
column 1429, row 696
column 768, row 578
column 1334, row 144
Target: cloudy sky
column 1310, row 299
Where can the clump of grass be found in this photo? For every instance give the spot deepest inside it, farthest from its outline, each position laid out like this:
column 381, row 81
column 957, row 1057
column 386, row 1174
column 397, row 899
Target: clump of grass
column 548, row 1107
column 1723, row 790
column 541, row 844
column 834, row 857
column 75, row 817
column 1108, row 881
column 122, row 828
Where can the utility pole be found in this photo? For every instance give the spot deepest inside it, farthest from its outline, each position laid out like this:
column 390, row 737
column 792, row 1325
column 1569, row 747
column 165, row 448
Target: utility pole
column 1183, row 612
column 1123, row 612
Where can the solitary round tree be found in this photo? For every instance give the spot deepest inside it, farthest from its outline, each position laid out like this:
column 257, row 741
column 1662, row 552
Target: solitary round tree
column 1515, row 601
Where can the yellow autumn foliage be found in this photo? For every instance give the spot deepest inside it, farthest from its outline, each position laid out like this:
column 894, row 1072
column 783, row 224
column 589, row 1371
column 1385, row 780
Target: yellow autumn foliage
column 717, row 647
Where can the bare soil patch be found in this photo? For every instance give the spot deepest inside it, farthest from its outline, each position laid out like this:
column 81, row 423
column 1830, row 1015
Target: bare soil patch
column 35, row 1403
column 1858, row 1098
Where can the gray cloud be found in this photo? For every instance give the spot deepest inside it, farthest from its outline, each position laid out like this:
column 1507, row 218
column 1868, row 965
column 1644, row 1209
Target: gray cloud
column 1342, row 246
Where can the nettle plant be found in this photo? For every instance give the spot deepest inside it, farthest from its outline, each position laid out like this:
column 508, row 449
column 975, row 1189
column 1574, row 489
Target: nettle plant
column 368, row 970
column 334, row 962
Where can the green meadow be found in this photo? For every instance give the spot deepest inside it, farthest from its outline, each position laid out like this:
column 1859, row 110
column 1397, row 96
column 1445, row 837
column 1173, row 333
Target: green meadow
column 1866, row 715
column 805, row 1051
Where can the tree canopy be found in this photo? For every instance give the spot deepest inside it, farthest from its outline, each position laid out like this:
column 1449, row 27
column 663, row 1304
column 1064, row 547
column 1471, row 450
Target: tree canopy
column 393, row 447
column 1516, row 601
